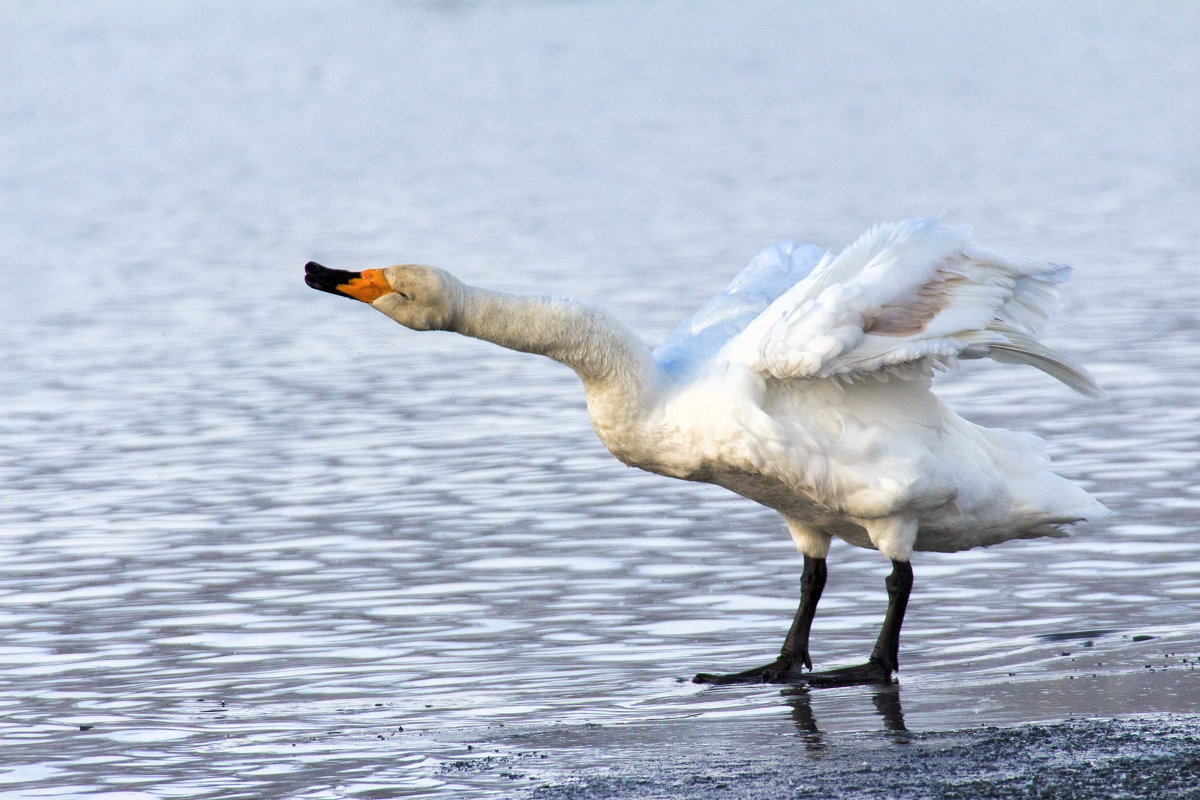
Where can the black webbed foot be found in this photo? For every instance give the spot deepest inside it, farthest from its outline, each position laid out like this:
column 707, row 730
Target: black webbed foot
column 873, row 673
column 781, row 670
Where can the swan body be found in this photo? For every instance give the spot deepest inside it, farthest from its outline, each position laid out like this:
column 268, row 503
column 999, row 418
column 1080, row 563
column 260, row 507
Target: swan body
column 806, row 386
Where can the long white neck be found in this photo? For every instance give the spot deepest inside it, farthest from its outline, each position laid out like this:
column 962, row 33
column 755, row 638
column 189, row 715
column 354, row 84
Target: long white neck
column 618, row 373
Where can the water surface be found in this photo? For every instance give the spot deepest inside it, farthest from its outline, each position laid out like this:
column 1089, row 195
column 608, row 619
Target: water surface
column 258, row 542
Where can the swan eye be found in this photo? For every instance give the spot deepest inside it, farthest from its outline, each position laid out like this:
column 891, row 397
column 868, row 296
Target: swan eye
column 404, row 295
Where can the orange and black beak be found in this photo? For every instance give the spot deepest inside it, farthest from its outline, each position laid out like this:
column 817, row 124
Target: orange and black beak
column 367, row 286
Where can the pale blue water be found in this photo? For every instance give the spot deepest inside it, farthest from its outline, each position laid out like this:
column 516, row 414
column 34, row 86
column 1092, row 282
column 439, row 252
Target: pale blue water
column 247, row 531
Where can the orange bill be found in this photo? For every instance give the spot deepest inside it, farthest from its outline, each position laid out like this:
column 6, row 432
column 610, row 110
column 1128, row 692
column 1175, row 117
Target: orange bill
column 368, row 286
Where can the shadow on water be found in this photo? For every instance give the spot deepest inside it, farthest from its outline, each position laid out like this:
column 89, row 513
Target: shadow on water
column 1087, row 637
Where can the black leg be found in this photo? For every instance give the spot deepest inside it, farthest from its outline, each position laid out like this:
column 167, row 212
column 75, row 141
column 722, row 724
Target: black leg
column 793, row 656
column 885, row 657
column 812, row 583
column 899, row 586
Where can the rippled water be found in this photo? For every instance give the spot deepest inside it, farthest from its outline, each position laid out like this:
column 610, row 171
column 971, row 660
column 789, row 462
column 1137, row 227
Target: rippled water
column 258, row 542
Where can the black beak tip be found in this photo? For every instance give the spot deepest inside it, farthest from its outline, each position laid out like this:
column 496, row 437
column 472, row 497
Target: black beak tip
column 324, row 279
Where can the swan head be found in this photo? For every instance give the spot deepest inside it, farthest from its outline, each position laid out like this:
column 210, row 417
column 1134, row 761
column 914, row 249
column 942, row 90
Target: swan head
column 418, row 297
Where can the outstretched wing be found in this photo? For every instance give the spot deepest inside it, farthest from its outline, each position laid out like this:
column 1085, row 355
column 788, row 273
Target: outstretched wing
column 701, row 336
column 905, row 296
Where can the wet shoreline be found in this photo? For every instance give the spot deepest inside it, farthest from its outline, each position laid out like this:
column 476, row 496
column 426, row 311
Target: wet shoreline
column 1081, row 759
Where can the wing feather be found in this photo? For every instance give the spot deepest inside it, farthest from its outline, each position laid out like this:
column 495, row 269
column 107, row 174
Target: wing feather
column 771, row 273
column 910, row 295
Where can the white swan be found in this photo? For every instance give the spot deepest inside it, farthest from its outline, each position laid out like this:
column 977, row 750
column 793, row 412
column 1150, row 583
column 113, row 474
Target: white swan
column 805, row 386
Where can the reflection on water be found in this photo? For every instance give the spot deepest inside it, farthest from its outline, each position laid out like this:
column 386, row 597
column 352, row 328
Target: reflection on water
column 885, row 699
column 255, row 543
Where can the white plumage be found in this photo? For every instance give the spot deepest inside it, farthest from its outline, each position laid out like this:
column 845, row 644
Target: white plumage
column 806, row 386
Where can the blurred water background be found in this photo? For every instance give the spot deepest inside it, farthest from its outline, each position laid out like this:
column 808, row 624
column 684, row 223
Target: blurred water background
column 259, row 542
